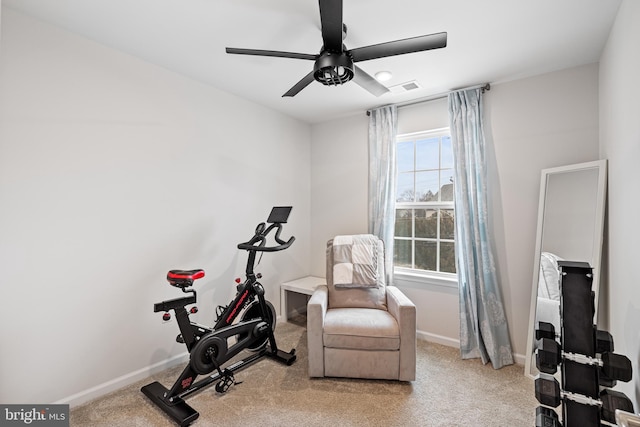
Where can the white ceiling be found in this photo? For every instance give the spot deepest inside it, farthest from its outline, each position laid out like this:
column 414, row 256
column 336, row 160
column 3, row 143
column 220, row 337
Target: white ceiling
column 488, row 41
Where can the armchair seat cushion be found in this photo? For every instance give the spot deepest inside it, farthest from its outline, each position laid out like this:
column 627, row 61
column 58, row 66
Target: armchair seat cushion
column 361, row 329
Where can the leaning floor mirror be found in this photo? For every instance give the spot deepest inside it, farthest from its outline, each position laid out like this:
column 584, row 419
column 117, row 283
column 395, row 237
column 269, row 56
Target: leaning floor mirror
column 570, row 227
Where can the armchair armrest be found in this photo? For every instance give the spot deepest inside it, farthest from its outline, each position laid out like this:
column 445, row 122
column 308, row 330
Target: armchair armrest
column 404, row 312
column 316, row 310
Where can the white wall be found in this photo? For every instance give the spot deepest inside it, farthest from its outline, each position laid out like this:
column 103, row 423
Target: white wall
column 339, row 183
column 112, row 172
column 620, row 143
column 535, row 123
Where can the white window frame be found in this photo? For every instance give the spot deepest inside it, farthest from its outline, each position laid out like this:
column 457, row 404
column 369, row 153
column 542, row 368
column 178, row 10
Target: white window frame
column 418, row 276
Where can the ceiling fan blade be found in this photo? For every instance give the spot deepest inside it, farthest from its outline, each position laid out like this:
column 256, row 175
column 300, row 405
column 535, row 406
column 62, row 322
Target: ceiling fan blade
column 331, row 21
column 280, row 54
column 364, row 80
column 306, row 80
column 400, row 47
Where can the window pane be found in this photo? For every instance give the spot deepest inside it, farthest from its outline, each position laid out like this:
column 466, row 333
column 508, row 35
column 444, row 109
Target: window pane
column 404, row 192
column 446, row 185
column 403, row 223
column 426, row 255
column 447, row 153
column 427, row 186
column 427, row 153
column 426, row 223
column 402, row 253
column 447, row 257
column 447, row 225
column 404, row 156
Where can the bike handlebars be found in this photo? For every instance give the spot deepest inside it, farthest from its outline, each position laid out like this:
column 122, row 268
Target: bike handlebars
column 258, row 243
column 261, row 238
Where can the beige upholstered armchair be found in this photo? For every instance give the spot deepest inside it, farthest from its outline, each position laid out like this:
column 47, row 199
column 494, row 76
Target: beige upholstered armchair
column 357, row 325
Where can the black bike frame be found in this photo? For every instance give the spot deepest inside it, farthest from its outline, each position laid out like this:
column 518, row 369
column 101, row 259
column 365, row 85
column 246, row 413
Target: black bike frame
column 191, row 331
column 172, row 400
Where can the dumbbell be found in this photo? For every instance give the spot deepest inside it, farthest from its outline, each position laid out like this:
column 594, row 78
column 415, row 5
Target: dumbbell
column 545, row 330
column 612, row 400
column 548, row 393
column 547, row 417
column 604, row 345
column 604, row 340
column 612, row 366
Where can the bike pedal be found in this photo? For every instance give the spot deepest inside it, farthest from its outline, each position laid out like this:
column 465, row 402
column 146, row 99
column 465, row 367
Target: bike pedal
column 225, row 383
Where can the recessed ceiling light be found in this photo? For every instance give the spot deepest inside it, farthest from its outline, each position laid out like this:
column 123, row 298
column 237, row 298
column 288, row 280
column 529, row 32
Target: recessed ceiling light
column 383, row 76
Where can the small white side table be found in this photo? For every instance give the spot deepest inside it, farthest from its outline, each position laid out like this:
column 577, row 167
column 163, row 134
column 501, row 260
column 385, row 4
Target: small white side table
column 304, row 285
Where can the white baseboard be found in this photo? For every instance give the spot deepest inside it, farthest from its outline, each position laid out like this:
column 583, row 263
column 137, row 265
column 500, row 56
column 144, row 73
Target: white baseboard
column 451, row 342
column 122, row 381
column 519, row 358
column 438, row 339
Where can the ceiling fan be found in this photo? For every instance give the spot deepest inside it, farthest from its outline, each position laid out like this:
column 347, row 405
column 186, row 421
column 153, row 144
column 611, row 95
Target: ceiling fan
column 335, row 64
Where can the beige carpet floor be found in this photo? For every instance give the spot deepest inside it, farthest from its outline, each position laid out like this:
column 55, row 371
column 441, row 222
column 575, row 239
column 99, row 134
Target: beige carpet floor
column 448, row 391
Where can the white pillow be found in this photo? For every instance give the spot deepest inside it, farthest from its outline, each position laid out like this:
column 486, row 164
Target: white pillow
column 549, row 277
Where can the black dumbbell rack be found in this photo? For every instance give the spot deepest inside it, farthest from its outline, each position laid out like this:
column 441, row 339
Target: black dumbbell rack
column 588, row 365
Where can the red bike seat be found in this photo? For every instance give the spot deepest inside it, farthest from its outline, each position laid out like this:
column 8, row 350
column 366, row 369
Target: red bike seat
column 184, row 278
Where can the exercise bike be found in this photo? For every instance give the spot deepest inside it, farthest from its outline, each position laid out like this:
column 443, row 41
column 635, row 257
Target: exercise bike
column 211, row 348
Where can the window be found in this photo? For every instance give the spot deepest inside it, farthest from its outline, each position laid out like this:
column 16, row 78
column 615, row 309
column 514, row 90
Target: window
column 424, row 227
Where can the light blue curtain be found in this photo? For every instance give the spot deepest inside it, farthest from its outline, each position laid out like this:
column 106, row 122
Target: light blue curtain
column 483, row 326
column 383, row 126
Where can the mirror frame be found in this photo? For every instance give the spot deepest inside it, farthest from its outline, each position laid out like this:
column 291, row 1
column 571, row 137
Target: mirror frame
column 600, row 165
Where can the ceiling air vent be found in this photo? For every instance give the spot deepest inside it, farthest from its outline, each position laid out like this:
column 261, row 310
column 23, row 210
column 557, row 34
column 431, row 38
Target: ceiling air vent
column 405, row 87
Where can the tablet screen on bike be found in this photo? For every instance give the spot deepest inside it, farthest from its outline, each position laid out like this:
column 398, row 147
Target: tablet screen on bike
column 279, row 214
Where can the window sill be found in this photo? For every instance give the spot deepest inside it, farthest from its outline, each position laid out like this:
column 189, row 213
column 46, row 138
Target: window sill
column 417, row 279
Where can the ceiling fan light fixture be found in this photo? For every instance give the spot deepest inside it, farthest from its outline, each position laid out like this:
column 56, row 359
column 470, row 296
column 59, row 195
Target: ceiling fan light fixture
column 383, row 76
column 335, row 64
column 333, row 69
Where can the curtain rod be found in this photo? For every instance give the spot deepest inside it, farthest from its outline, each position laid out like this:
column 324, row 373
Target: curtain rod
column 484, row 87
